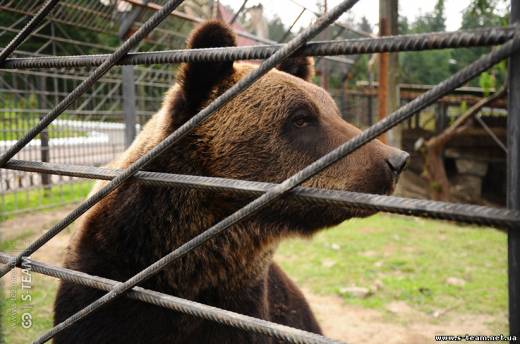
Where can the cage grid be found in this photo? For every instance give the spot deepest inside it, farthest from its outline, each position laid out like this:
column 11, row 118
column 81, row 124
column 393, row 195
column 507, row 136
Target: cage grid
column 266, row 193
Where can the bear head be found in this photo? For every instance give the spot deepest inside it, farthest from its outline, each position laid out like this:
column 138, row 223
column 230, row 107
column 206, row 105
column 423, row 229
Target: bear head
column 273, row 129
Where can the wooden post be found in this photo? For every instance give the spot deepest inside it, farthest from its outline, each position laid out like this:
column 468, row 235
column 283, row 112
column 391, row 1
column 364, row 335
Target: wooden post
column 388, row 90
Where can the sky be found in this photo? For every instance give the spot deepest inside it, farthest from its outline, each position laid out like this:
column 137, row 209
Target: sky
column 288, row 11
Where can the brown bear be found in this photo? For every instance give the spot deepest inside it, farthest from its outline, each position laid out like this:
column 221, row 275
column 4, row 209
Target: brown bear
column 270, row 131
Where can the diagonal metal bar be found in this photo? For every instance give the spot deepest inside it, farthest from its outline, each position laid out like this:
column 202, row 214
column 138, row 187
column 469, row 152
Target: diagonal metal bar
column 244, row 83
column 413, row 42
column 491, row 133
column 471, row 214
column 26, row 31
column 13, row 25
column 222, row 316
column 130, row 43
column 235, row 16
column 339, row 24
column 280, row 190
column 288, row 31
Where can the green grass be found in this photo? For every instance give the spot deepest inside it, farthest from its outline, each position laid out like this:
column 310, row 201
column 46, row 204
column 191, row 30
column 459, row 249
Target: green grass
column 15, row 125
column 409, row 258
column 40, row 198
column 15, row 130
column 15, row 303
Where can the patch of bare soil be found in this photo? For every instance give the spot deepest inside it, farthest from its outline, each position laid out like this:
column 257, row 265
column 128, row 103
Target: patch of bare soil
column 37, row 223
column 398, row 323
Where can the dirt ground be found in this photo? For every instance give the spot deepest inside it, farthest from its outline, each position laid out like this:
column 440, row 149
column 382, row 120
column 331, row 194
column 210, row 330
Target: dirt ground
column 397, row 323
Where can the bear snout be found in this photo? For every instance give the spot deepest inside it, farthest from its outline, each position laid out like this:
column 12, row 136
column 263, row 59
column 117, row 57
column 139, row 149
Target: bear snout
column 397, row 162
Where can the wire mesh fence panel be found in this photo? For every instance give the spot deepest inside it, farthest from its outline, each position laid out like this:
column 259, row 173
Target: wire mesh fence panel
column 92, row 131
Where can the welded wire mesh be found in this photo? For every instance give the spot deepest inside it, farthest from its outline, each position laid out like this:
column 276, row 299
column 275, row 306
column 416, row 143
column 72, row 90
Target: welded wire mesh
column 43, row 124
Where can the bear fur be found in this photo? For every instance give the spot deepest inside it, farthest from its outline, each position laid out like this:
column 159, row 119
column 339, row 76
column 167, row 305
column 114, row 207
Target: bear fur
column 272, row 130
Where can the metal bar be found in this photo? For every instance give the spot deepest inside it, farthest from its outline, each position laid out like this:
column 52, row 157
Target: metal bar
column 235, row 16
column 241, row 85
column 413, row 42
column 288, row 31
column 513, row 181
column 129, row 111
column 222, row 316
column 342, row 25
column 280, row 190
column 28, row 28
column 491, row 133
column 44, row 135
column 501, row 218
column 127, row 21
column 13, row 25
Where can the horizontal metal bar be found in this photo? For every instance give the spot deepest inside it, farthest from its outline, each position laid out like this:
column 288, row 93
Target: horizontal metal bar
column 471, row 214
column 245, row 34
column 222, row 316
column 414, row 42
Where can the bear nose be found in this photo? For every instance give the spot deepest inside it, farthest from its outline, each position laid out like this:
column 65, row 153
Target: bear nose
column 397, row 162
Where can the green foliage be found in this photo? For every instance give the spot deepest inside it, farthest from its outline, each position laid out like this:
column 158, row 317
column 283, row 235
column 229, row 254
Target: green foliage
column 486, row 82
column 431, row 67
column 277, row 29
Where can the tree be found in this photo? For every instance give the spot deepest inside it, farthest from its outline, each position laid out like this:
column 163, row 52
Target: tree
column 277, row 29
column 364, row 25
column 438, row 18
column 480, row 13
column 428, row 67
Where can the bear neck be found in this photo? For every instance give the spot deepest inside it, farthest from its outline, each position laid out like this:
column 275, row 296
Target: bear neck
column 235, row 259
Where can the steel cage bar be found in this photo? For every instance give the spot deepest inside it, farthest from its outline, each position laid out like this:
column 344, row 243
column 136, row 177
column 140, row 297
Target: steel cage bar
column 464, row 213
column 181, row 305
column 412, row 42
column 269, row 192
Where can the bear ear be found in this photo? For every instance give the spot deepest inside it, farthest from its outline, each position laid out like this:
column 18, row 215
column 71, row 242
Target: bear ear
column 197, row 79
column 301, row 67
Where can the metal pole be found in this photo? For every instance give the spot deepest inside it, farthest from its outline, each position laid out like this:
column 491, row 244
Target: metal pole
column 513, row 181
column 324, row 80
column 235, row 17
column 130, row 116
column 44, row 134
column 128, row 79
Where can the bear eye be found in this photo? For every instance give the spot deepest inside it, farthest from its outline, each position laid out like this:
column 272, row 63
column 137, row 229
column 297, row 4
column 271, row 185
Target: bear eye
column 301, row 120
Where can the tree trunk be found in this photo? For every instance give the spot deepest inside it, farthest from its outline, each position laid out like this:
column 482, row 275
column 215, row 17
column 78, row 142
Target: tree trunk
column 434, row 148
